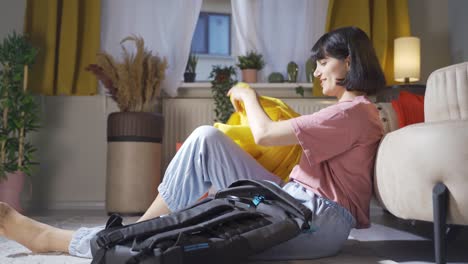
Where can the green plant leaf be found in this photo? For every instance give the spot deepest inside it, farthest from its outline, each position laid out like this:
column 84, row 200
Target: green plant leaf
column 300, row 90
column 18, row 109
column 251, row 60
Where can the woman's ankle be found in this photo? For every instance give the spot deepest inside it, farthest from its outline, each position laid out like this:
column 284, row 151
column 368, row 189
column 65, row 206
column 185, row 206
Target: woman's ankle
column 22, row 229
column 37, row 237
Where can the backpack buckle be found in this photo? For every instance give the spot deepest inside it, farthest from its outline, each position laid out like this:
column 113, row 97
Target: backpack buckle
column 106, row 240
column 102, row 241
column 258, row 199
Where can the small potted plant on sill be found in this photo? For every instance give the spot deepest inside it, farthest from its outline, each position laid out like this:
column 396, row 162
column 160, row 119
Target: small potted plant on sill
column 19, row 117
column 134, row 134
column 223, row 80
column 191, row 68
column 250, row 64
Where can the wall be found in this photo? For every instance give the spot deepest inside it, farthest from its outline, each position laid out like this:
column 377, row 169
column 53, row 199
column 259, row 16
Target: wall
column 458, row 21
column 429, row 21
column 72, row 149
column 11, row 16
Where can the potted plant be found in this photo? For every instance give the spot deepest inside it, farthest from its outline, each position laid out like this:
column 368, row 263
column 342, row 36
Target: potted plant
column 190, row 70
column 250, row 64
column 223, row 80
column 293, row 70
column 134, row 134
column 19, row 117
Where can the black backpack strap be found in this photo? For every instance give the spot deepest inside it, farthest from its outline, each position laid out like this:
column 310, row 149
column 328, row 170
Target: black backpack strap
column 113, row 222
column 276, row 193
column 108, row 237
column 234, row 215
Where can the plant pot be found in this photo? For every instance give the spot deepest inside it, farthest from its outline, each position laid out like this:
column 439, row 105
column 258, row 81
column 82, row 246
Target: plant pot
column 133, row 161
column 189, row 77
column 11, row 188
column 249, row 75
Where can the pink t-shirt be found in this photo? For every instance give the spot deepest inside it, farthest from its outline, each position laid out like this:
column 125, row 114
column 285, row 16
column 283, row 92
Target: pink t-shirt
column 340, row 144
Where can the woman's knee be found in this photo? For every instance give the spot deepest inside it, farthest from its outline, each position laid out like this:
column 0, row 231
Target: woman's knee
column 207, row 132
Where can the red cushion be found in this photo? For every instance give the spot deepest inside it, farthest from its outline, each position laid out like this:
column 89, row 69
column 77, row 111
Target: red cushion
column 409, row 108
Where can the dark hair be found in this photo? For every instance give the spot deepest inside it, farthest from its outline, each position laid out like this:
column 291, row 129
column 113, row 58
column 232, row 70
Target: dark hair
column 365, row 74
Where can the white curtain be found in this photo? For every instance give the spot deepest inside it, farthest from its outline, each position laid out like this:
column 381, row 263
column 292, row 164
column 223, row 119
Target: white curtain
column 166, row 26
column 282, row 31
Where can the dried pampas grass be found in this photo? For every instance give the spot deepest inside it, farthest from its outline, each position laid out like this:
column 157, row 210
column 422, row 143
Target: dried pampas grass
column 135, row 82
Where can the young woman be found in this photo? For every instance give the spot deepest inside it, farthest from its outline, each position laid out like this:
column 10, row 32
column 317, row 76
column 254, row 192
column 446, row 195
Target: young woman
column 333, row 178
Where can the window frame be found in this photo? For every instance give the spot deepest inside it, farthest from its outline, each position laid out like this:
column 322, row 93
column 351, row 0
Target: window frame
column 207, row 35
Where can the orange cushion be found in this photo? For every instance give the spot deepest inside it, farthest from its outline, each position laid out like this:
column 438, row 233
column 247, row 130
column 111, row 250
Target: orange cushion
column 178, row 145
column 409, row 108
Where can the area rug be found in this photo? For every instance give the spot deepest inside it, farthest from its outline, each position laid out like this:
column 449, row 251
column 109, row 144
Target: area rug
column 13, row 253
column 385, row 242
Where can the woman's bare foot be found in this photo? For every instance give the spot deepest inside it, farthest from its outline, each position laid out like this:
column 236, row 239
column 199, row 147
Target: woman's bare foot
column 36, row 236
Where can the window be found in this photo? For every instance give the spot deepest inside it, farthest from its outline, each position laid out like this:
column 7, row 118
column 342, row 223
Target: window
column 212, row 34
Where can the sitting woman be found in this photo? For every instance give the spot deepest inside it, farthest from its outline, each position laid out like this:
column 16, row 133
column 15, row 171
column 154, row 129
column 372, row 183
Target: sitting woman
column 333, row 178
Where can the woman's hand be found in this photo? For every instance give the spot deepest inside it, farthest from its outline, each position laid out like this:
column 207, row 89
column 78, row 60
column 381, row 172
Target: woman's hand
column 240, row 93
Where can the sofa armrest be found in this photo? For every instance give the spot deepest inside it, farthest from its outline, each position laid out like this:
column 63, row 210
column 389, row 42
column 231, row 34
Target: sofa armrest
column 411, row 160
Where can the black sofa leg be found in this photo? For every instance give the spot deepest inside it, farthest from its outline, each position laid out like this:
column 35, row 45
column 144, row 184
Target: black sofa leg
column 440, row 204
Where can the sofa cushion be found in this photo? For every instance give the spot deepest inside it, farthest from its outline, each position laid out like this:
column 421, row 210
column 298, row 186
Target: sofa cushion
column 409, row 108
column 387, row 116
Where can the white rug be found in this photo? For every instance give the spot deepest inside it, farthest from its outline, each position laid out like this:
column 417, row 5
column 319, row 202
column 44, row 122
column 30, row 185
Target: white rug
column 13, row 253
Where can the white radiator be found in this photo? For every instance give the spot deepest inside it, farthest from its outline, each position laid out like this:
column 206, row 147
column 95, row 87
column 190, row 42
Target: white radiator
column 183, row 115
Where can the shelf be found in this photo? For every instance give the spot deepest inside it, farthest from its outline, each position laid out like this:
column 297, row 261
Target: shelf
column 284, row 90
column 253, row 85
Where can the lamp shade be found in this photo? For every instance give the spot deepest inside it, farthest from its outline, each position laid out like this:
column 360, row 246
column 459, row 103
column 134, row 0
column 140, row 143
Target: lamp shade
column 407, row 59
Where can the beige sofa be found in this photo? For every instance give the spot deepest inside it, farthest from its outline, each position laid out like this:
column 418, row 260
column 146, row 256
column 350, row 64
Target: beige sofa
column 421, row 170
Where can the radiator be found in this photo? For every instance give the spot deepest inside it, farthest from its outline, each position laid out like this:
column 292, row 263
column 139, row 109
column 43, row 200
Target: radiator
column 183, row 115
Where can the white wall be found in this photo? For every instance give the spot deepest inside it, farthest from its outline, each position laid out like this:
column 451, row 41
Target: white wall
column 72, row 145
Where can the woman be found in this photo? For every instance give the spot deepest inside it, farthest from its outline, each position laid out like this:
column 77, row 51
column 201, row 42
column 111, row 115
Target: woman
column 333, row 178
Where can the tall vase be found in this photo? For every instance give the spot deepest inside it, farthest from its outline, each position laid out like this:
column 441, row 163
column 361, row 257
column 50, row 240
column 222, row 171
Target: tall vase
column 133, row 161
column 11, row 188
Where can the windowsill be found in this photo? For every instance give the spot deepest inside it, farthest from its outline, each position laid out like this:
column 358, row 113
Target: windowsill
column 214, row 57
column 280, row 90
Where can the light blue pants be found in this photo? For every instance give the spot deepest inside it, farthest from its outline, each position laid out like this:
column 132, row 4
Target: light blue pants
column 208, row 159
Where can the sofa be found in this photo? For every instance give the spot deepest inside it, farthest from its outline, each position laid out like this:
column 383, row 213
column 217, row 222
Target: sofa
column 421, row 170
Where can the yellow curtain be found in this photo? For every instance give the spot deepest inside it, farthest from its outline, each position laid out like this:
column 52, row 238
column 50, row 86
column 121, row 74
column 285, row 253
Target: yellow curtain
column 67, row 33
column 382, row 20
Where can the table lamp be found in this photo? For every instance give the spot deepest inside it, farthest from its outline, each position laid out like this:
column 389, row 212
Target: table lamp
column 407, row 59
